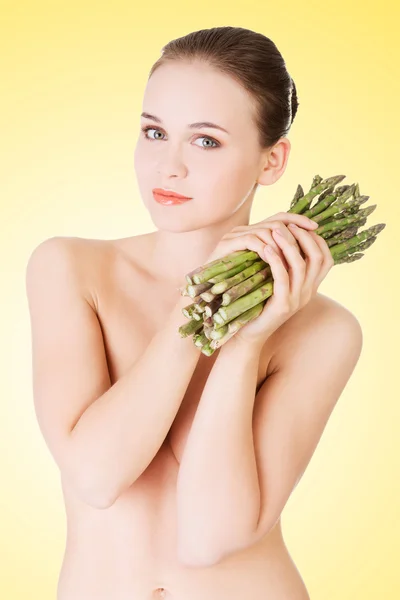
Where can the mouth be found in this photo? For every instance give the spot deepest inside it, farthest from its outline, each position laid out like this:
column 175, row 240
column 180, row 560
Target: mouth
column 162, row 192
column 164, row 197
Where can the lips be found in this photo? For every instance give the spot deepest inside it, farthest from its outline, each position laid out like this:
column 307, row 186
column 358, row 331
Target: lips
column 166, row 198
column 161, row 192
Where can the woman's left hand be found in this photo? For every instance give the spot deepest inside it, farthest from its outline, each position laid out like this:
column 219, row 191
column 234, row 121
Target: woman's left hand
column 294, row 285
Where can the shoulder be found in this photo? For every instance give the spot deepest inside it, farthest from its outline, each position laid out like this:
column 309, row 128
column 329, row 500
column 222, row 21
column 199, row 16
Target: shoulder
column 76, row 260
column 97, row 267
column 322, row 323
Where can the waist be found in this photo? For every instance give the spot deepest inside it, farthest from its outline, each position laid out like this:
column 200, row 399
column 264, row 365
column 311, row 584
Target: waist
column 142, row 565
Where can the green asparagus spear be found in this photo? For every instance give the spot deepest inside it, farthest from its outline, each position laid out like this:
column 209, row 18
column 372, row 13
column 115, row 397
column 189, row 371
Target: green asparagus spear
column 216, row 314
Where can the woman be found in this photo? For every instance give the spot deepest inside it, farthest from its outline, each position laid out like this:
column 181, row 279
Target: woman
column 175, row 466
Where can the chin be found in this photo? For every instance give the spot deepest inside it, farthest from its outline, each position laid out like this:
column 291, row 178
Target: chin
column 173, row 222
column 177, row 219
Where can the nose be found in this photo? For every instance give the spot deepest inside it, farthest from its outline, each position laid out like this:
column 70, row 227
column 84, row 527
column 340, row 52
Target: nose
column 170, row 164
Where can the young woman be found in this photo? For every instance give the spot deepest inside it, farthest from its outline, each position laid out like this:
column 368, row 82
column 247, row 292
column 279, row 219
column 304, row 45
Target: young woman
column 175, row 466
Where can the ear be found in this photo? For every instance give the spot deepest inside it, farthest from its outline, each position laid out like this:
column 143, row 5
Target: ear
column 275, row 162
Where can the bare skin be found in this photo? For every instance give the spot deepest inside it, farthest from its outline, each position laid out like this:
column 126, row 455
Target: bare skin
column 128, row 551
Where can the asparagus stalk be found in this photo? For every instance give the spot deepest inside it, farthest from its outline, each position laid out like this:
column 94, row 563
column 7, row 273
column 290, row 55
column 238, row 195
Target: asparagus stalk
column 340, row 224
column 223, row 265
column 343, row 235
column 191, row 327
column 200, row 339
column 329, row 205
column 226, row 274
column 304, row 203
column 298, row 194
column 226, row 284
column 229, row 292
column 197, row 289
column 213, row 306
column 245, row 286
column 199, row 306
column 189, row 276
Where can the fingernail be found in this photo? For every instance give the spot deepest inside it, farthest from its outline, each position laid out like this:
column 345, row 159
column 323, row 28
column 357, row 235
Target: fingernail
column 293, row 225
column 277, row 231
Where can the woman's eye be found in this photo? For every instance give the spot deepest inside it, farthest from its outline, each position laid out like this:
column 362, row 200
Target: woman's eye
column 209, row 140
column 212, row 143
column 146, row 129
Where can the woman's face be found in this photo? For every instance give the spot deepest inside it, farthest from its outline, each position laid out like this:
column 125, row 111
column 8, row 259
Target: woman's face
column 218, row 170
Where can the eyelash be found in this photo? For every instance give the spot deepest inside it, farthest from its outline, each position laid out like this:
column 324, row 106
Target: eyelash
column 145, row 129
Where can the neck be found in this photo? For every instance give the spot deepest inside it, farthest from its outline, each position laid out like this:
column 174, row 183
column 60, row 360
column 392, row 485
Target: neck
column 173, row 255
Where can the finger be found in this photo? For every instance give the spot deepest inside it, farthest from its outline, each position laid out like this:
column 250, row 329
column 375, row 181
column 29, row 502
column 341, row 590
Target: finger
column 285, row 218
column 313, row 255
column 264, row 226
column 266, row 236
column 278, row 225
column 280, row 277
column 328, row 258
column 300, row 220
column 245, row 241
column 297, row 266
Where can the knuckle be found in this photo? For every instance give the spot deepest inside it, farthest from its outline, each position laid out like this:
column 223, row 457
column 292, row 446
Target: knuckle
column 249, row 237
column 284, row 306
column 270, row 219
column 274, row 224
column 307, row 297
column 265, row 235
column 301, row 263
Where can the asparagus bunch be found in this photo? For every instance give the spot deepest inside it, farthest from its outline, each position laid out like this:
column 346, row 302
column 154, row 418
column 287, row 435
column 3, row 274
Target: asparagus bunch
column 229, row 292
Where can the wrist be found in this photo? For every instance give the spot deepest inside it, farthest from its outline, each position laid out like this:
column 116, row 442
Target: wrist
column 245, row 347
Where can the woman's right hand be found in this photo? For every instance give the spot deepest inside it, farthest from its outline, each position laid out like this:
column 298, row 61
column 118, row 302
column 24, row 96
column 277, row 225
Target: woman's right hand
column 256, row 236
column 296, row 276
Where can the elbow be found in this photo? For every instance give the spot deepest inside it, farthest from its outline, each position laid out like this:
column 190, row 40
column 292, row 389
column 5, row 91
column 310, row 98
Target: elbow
column 92, row 484
column 94, row 495
column 195, row 557
column 100, row 501
column 100, row 490
column 197, row 561
column 94, row 491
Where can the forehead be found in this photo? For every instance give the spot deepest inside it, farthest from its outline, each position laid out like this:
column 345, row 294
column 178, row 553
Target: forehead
column 180, row 92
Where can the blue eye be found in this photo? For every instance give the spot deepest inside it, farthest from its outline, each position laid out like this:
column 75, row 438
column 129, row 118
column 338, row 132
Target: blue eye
column 148, row 128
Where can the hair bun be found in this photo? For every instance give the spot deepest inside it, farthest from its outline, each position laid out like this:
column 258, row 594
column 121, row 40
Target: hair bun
column 294, row 101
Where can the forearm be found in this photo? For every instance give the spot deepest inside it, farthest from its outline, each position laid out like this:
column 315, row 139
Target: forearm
column 218, row 497
column 119, row 434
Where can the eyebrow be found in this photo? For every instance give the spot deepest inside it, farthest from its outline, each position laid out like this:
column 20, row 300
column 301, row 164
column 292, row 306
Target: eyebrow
column 199, row 125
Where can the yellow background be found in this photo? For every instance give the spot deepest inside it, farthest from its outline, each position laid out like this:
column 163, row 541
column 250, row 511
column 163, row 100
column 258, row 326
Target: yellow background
column 72, row 79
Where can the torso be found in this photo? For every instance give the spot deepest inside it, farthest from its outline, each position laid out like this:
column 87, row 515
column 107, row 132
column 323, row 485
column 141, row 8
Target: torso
column 128, row 551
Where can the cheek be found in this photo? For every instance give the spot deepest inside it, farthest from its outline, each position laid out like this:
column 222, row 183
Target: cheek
column 229, row 182
column 143, row 156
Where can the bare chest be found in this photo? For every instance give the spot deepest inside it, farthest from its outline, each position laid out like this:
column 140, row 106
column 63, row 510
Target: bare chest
column 131, row 310
column 135, row 540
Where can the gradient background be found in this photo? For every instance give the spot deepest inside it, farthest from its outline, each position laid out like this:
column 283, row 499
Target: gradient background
column 73, row 76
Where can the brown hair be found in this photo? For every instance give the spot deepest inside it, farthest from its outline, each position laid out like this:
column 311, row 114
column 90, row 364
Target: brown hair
column 255, row 62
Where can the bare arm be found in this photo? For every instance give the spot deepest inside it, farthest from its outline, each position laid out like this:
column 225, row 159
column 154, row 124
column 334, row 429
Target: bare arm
column 240, row 465
column 218, row 495
column 101, row 436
